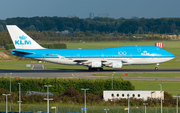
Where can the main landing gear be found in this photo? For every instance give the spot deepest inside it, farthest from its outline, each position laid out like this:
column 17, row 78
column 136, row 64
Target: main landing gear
column 156, row 68
column 95, row 69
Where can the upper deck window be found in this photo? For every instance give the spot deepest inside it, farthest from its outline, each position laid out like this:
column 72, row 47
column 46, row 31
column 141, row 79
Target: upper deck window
column 146, row 49
column 130, row 49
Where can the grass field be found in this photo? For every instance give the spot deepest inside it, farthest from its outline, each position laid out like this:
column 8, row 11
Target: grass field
column 171, row 87
column 90, row 108
column 14, row 64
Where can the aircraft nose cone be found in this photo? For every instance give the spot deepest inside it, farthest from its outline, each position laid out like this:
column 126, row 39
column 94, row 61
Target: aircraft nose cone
column 168, row 54
column 172, row 55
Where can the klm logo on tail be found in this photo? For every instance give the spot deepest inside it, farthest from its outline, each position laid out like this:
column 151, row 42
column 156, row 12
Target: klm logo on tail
column 22, row 41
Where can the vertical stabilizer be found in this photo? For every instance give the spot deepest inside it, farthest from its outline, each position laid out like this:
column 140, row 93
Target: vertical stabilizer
column 20, row 39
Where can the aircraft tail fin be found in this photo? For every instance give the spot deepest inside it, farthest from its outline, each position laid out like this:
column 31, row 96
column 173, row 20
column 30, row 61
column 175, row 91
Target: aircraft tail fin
column 20, row 39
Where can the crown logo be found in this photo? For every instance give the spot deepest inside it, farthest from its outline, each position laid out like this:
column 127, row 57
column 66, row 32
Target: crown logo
column 22, row 37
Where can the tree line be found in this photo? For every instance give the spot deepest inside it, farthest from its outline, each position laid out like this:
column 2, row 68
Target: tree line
column 48, row 29
column 106, row 25
column 62, row 84
column 53, row 37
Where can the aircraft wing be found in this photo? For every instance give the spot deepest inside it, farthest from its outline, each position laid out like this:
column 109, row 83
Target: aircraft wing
column 80, row 61
column 105, row 62
column 115, row 60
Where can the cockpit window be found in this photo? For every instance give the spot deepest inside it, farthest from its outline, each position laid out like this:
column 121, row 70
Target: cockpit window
column 161, row 48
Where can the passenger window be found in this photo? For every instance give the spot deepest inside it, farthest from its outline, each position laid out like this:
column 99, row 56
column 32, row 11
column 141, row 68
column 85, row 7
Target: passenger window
column 133, row 95
column 122, row 95
column 112, row 95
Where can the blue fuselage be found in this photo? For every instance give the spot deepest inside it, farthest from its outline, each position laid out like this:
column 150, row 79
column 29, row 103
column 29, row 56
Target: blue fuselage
column 115, row 52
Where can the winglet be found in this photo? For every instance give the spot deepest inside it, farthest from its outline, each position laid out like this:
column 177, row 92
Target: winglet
column 20, row 39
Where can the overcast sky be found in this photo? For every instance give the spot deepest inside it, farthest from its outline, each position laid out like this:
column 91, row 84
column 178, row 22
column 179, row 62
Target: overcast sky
column 82, row 8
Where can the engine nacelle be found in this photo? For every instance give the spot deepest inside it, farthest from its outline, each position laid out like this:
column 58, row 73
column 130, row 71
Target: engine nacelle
column 117, row 65
column 96, row 64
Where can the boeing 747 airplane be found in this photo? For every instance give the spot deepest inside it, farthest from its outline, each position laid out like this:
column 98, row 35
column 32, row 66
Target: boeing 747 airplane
column 95, row 59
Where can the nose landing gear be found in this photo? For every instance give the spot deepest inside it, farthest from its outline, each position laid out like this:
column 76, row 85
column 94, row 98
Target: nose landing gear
column 156, row 68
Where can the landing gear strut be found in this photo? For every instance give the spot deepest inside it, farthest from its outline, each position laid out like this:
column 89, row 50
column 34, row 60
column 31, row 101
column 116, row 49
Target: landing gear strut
column 156, row 68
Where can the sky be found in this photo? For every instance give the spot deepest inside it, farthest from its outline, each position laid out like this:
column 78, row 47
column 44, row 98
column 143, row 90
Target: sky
column 82, row 8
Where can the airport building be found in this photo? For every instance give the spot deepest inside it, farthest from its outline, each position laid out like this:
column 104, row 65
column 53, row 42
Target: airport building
column 109, row 95
column 91, row 15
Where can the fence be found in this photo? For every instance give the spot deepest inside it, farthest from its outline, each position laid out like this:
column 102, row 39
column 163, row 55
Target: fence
column 90, row 109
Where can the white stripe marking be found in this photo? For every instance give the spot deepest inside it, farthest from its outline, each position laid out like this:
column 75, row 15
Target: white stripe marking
column 32, row 67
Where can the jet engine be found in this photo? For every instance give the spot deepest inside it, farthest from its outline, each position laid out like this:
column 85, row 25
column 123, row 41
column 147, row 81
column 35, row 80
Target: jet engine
column 117, row 64
column 96, row 64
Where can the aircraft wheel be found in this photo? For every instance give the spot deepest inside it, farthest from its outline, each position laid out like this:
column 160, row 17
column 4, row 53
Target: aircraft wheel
column 90, row 69
column 99, row 69
column 156, row 68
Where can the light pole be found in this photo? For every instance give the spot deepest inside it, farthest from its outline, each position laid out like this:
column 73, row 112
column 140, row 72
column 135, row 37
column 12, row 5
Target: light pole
column 6, row 102
column 85, row 97
column 19, row 98
column 177, row 102
column 161, row 96
column 128, row 102
column 10, row 83
column 145, row 106
column 48, row 97
column 112, row 80
column 106, row 110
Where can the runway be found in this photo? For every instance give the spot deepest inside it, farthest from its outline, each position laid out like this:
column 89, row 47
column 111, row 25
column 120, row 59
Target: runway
column 84, row 73
column 87, row 71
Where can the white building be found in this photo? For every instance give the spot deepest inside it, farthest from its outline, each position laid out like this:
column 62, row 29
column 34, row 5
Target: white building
column 65, row 32
column 91, row 15
column 132, row 94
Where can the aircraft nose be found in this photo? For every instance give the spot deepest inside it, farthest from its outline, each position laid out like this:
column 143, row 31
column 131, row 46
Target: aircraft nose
column 171, row 55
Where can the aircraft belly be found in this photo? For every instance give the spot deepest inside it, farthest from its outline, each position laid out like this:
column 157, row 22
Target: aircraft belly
column 59, row 61
column 129, row 61
column 53, row 60
column 132, row 61
column 148, row 60
column 66, row 61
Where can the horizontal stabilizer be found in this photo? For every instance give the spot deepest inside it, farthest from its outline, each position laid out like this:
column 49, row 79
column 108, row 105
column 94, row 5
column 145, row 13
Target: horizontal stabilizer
column 22, row 52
